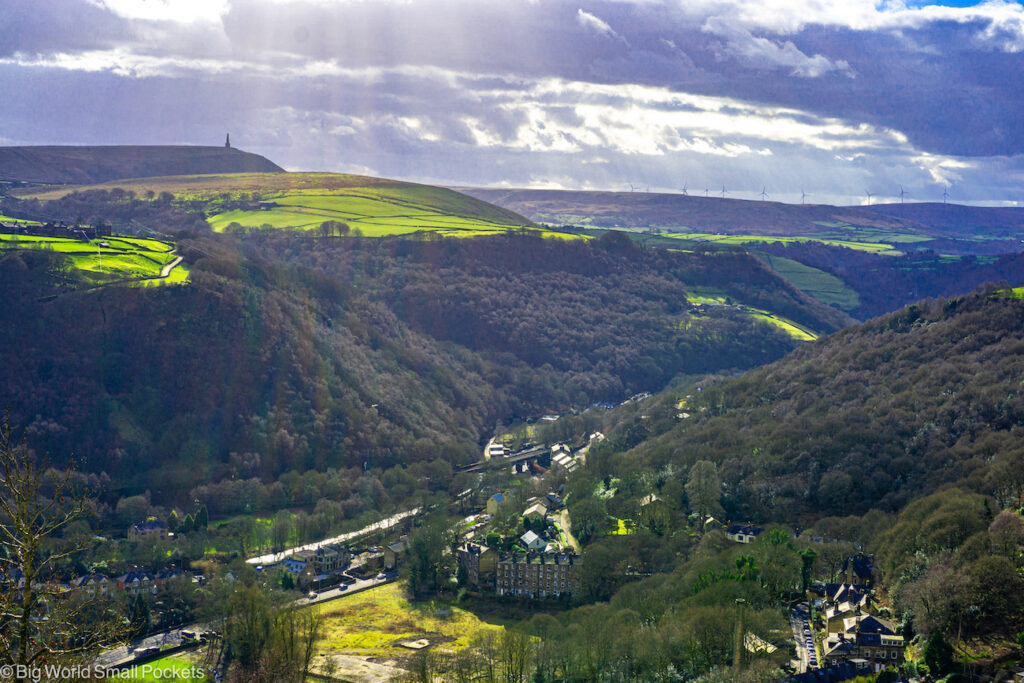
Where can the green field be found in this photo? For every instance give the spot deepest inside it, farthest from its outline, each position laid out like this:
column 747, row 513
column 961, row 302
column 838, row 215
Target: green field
column 816, row 283
column 711, row 297
column 875, row 247
column 373, row 212
column 374, row 622
column 166, row 669
column 108, row 259
column 373, row 207
column 788, row 326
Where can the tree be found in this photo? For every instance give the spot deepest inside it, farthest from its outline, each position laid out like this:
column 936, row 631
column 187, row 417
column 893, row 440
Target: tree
column 704, row 489
column 807, row 558
column 938, row 654
column 202, row 518
column 36, row 505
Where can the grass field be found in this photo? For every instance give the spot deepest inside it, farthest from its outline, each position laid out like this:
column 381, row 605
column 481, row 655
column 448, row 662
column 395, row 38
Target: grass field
column 373, row 622
column 846, row 241
column 166, row 669
column 788, row 326
column 817, row 283
column 710, row 297
column 375, row 212
column 108, row 259
column 374, row 207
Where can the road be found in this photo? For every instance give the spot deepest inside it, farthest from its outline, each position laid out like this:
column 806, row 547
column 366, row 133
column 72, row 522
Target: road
column 334, row 593
column 566, row 524
column 166, row 270
column 387, row 523
column 797, row 615
column 123, row 655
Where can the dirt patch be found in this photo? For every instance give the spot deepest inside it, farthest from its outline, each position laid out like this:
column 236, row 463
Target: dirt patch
column 432, row 639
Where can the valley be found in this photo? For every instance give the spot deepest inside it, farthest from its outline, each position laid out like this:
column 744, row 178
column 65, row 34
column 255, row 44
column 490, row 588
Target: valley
column 421, row 436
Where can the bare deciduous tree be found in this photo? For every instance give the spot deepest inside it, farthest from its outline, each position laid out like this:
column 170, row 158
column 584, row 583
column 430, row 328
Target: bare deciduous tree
column 40, row 622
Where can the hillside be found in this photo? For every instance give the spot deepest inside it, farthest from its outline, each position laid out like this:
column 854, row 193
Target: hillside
column 61, row 165
column 873, row 416
column 882, row 284
column 946, row 227
column 993, row 222
column 342, row 352
column 244, row 202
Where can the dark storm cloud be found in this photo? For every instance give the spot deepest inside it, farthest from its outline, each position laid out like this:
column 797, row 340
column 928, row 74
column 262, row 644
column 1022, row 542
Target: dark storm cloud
column 553, row 92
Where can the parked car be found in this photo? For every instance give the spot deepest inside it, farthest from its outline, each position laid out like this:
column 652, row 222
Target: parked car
column 312, row 595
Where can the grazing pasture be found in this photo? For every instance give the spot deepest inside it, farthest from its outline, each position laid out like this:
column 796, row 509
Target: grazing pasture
column 108, row 260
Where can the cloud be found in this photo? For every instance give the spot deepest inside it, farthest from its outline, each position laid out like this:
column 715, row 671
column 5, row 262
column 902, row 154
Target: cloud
column 175, row 11
column 763, row 53
column 595, row 23
column 847, row 93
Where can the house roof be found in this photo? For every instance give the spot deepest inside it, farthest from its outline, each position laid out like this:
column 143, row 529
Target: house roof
column 650, row 498
column 538, row 508
column 150, row 525
column 745, row 529
column 498, row 498
column 529, row 538
column 135, row 575
column 868, row 623
column 84, row 580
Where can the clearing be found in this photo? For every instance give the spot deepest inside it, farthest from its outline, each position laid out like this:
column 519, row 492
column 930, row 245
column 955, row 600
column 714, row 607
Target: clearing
column 363, row 634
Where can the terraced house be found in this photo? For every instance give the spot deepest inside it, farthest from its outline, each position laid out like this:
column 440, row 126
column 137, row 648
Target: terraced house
column 538, row 575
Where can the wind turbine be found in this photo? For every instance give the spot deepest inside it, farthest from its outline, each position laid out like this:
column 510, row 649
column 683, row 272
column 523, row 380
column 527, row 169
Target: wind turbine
column 901, row 194
column 764, row 193
column 803, row 196
column 869, row 197
column 706, row 191
column 945, row 195
column 631, row 188
column 724, row 192
column 683, row 189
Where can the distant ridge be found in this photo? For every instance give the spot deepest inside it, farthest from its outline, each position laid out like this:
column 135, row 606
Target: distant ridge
column 83, row 165
column 698, row 214
column 956, row 216
column 742, row 216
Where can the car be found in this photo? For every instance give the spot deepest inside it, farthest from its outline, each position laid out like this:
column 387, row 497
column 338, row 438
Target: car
column 807, row 631
column 343, row 586
column 312, row 595
column 381, row 576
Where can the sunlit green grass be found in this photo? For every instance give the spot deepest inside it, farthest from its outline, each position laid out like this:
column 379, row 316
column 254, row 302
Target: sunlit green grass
column 874, row 247
column 166, row 669
column 108, row 259
column 788, row 326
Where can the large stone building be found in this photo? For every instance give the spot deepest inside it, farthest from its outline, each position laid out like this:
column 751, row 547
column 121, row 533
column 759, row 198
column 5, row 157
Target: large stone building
column 538, row 575
column 480, row 563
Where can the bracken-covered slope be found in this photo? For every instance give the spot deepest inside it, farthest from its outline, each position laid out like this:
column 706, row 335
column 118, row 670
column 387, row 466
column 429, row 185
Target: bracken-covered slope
column 871, row 417
column 62, row 165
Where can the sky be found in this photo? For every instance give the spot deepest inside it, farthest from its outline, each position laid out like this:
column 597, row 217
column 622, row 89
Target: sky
column 823, row 101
